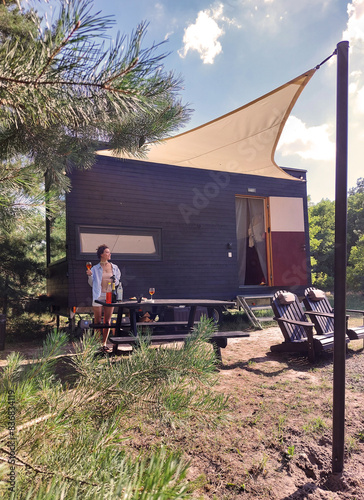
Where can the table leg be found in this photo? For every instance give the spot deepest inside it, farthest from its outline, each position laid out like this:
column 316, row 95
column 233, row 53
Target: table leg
column 118, row 323
column 191, row 317
column 133, row 322
column 211, row 313
column 217, row 350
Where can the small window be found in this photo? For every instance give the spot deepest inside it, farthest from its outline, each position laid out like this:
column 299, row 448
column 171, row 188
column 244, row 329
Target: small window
column 124, row 242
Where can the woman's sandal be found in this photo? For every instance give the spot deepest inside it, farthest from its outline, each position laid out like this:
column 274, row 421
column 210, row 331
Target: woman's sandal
column 106, row 350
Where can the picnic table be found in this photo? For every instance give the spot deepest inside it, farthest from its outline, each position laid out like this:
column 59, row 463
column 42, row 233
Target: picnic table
column 126, row 329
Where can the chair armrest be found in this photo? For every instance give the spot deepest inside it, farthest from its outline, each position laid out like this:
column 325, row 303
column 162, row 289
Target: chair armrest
column 324, row 314
column 294, row 322
column 318, row 313
column 355, row 311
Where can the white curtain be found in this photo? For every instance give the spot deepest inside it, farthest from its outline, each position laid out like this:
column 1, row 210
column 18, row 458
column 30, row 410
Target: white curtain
column 250, row 230
column 256, row 232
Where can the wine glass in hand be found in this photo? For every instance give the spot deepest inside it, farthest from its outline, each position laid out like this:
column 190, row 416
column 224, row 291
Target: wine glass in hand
column 151, row 291
column 88, row 267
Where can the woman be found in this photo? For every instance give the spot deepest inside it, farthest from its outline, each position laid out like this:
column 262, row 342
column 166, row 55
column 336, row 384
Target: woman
column 98, row 277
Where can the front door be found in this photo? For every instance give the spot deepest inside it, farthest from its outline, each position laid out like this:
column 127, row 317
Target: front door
column 290, row 260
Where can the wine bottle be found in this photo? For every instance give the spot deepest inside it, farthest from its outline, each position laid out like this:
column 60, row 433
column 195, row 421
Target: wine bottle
column 113, row 292
column 120, row 292
column 108, row 294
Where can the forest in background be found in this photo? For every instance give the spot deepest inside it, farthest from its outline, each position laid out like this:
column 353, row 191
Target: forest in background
column 322, row 240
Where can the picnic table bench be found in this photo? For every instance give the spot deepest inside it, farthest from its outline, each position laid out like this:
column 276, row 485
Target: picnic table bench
column 126, row 330
column 218, row 339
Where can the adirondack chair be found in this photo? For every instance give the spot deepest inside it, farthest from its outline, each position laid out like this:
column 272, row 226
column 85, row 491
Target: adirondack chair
column 298, row 333
column 319, row 309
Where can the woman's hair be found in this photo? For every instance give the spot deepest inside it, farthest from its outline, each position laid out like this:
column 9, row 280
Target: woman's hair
column 100, row 250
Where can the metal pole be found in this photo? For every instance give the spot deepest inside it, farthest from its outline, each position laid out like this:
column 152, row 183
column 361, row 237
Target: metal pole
column 338, row 435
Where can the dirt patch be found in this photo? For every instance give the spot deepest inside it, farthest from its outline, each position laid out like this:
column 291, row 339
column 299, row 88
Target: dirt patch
column 277, row 441
column 281, row 427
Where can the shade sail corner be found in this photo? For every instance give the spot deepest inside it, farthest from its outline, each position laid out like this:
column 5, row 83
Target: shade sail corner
column 242, row 141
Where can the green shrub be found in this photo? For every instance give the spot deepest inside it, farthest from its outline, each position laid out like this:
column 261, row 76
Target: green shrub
column 27, row 326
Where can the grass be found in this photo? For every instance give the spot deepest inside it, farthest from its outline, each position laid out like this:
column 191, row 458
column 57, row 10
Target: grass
column 315, row 426
column 355, row 301
column 77, row 439
column 235, row 320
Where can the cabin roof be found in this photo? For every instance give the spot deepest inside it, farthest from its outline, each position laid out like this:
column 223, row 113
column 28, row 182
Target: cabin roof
column 242, row 141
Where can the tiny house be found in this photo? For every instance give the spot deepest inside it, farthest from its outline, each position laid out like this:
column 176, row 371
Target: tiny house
column 208, row 214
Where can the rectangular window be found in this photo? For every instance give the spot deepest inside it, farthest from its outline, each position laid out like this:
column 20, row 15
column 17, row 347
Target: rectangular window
column 124, row 242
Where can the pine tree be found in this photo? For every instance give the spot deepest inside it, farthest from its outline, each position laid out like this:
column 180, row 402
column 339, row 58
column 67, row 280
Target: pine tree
column 62, row 93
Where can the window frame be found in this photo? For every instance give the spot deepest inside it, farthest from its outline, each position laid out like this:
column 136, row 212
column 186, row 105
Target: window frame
column 104, row 231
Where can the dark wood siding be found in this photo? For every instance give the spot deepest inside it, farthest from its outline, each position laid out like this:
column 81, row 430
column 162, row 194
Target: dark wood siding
column 57, row 285
column 195, row 210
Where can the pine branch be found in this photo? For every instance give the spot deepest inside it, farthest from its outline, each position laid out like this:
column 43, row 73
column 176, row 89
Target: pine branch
column 27, row 425
column 44, row 418
column 72, row 84
column 43, row 471
column 123, row 73
column 57, row 50
column 135, row 74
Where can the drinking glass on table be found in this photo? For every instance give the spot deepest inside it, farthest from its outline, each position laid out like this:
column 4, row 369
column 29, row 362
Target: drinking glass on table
column 152, row 292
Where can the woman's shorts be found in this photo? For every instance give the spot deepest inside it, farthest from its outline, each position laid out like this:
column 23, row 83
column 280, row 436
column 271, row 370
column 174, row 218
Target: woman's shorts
column 102, row 297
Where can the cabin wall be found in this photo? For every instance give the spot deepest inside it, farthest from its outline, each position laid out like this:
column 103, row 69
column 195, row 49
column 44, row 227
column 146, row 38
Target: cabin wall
column 195, row 210
column 58, row 285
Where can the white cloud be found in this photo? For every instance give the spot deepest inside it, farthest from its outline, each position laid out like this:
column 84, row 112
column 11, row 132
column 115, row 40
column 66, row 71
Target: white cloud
column 354, row 33
column 355, row 27
column 360, row 100
column 167, row 35
column 203, row 36
column 159, row 7
column 356, row 93
column 268, row 16
column 312, row 143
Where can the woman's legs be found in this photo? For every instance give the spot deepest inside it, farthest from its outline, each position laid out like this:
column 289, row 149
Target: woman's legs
column 97, row 317
column 107, row 318
column 108, row 311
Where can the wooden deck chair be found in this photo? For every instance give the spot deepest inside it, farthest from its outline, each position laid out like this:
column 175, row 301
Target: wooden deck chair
column 297, row 331
column 319, row 310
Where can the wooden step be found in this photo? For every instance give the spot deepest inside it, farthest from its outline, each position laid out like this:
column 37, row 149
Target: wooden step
column 86, row 324
column 175, row 337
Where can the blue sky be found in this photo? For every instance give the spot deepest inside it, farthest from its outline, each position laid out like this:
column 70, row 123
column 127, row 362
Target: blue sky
column 231, row 52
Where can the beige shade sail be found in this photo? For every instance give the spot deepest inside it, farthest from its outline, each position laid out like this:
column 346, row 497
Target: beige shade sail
column 242, row 141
